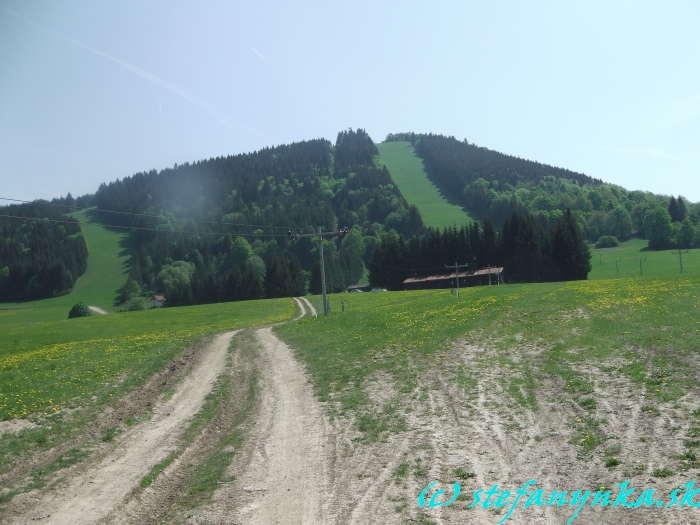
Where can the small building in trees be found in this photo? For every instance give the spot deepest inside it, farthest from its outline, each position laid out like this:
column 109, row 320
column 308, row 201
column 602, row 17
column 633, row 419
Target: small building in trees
column 157, row 301
column 480, row 277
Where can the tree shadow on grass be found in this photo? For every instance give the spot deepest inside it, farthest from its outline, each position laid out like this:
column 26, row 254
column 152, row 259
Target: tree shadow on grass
column 443, row 190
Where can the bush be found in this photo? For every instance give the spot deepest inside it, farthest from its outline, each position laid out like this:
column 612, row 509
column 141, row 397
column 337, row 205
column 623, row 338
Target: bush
column 606, row 241
column 79, row 310
column 134, row 304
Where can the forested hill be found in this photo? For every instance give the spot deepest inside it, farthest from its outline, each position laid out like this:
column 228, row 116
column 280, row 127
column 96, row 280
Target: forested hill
column 490, row 183
column 217, row 230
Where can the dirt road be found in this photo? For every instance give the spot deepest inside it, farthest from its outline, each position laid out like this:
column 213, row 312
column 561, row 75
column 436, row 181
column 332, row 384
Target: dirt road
column 285, row 483
column 284, row 475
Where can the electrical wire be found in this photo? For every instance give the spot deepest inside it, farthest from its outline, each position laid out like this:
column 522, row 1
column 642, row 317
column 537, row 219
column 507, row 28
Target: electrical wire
column 141, row 214
column 145, row 229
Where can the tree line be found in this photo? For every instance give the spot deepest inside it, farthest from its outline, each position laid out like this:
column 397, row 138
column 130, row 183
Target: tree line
column 527, row 251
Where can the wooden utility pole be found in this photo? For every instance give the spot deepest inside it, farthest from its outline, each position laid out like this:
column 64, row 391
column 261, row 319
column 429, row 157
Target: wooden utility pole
column 457, row 267
column 321, row 235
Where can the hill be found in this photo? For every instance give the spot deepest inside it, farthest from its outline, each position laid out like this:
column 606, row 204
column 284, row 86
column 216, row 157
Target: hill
column 219, row 229
column 226, row 229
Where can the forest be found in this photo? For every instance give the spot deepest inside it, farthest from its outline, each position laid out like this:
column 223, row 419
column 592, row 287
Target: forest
column 41, row 257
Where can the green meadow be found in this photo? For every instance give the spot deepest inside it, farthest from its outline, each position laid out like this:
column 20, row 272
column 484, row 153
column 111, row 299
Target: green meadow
column 408, row 172
column 48, row 362
column 633, row 259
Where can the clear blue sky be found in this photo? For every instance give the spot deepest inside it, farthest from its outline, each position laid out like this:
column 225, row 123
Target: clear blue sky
column 94, row 91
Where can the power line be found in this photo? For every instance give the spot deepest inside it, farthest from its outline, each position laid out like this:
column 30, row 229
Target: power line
column 142, row 214
column 37, row 219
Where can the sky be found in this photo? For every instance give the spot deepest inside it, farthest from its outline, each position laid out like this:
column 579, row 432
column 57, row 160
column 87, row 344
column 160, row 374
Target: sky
column 95, row 91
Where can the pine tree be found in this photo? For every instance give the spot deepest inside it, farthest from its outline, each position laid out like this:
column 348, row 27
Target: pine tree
column 673, row 209
column 568, row 249
column 682, row 209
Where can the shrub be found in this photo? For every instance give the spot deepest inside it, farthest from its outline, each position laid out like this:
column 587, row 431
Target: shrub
column 79, row 310
column 606, row 241
column 135, row 303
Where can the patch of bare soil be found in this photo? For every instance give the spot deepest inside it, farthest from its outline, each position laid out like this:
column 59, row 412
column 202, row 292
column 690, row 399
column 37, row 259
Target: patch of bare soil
column 477, row 433
column 483, row 436
column 91, row 490
column 98, row 310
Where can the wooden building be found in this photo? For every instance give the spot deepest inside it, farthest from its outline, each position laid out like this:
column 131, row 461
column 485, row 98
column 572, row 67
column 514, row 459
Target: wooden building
column 480, row 277
column 157, row 301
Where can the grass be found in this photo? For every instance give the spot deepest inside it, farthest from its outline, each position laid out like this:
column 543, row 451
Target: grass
column 409, row 174
column 49, row 365
column 462, row 473
column 662, row 263
column 650, row 326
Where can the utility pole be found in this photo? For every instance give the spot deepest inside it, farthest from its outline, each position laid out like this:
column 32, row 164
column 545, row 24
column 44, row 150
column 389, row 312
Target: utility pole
column 680, row 257
column 640, row 266
column 321, row 235
column 457, row 274
column 617, row 269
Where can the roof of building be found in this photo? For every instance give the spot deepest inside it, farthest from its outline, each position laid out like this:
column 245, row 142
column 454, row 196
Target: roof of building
column 158, row 298
column 444, row 277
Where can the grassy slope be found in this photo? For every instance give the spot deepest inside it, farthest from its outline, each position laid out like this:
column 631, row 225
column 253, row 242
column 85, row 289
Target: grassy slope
column 108, row 264
column 98, row 286
column 654, row 263
column 650, row 324
column 409, row 174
